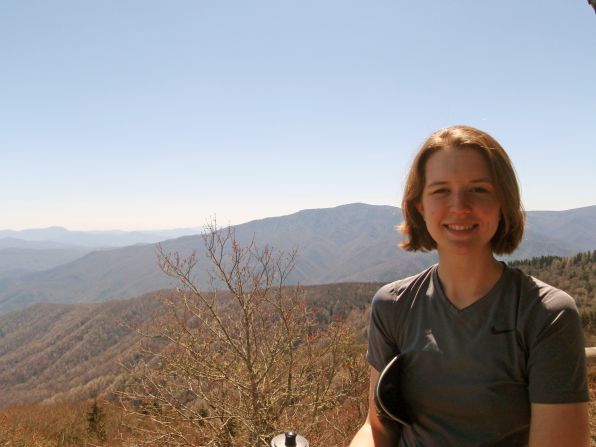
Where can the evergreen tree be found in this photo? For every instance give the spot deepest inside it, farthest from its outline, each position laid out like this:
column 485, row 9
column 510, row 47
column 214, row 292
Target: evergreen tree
column 96, row 421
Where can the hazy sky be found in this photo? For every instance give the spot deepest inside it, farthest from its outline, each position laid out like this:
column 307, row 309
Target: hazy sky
column 157, row 114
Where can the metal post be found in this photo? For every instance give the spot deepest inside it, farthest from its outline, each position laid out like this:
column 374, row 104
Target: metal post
column 289, row 439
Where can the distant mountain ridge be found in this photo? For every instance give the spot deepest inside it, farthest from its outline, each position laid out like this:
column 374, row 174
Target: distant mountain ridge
column 355, row 242
column 88, row 239
column 576, row 227
column 15, row 262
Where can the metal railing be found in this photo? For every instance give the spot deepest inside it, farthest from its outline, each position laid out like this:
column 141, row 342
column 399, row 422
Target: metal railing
column 591, row 355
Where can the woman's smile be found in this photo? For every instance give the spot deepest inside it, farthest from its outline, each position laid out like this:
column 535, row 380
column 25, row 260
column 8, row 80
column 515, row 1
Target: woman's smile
column 460, row 228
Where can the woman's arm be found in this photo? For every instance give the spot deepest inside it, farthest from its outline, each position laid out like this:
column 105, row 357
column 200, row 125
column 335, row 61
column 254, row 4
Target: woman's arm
column 373, row 433
column 560, row 425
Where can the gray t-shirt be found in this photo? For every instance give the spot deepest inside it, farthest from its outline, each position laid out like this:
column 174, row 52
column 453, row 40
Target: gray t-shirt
column 468, row 376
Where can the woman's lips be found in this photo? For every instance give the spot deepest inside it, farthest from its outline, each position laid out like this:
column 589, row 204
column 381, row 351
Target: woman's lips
column 460, row 227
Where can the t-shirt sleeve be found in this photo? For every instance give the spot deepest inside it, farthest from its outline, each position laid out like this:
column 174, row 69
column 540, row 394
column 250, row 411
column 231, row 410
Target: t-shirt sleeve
column 381, row 339
column 556, row 358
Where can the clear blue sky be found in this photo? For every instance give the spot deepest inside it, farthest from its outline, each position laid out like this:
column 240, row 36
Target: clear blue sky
column 157, row 114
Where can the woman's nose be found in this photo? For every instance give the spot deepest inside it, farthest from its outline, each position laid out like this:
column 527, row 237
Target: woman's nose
column 460, row 202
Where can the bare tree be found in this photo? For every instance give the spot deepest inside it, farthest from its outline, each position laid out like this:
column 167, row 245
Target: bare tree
column 245, row 359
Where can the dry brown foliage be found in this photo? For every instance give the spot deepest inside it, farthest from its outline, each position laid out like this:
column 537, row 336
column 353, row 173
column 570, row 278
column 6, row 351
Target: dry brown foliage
column 237, row 367
column 65, row 425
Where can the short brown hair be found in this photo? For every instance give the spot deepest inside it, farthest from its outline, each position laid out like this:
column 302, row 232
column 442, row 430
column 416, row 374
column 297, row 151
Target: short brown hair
column 511, row 224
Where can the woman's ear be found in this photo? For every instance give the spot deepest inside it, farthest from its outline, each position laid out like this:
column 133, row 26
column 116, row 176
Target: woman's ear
column 420, row 209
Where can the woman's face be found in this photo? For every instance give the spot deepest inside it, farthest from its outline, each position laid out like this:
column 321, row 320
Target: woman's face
column 458, row 203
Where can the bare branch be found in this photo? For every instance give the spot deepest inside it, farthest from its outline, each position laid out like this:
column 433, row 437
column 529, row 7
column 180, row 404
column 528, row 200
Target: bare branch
column 242, row 360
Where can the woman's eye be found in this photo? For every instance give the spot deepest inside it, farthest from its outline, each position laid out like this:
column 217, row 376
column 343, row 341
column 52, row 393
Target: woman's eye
column 440, row 191
column 479, row 189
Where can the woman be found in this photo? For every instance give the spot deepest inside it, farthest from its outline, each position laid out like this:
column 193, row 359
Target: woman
column 488, row 355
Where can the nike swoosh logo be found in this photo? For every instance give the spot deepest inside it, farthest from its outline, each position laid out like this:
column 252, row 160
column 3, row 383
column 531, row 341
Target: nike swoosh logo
column 494, row 330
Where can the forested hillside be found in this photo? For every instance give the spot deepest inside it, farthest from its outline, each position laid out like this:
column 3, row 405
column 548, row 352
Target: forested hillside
column 71, row 353
column 55, row 352
column 43, row 347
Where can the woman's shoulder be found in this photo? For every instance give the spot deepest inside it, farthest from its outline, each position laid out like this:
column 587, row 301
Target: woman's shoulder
column 401, row 288
column 535, row 292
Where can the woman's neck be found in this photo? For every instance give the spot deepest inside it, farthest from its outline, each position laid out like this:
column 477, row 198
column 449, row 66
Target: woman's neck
column 466, row 279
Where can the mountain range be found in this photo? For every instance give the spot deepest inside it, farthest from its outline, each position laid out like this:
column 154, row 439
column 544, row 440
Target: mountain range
column 59, row 237
column 356, row 242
